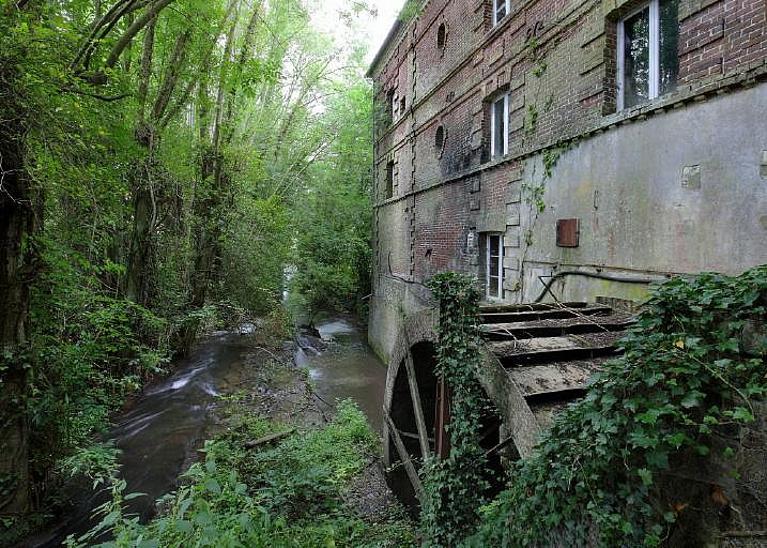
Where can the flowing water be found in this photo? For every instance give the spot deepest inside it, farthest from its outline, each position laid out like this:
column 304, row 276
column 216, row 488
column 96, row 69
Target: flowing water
column 171, row 419
column 347, row 369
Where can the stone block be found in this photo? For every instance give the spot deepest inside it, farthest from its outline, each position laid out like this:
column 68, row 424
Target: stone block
column 691, row 177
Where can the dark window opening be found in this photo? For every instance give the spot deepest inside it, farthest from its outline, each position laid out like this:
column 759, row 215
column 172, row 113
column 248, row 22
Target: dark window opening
column 390, row 106
column 402, row 105
column 439, row 138
column 442, row 36
column 500, row 10
column 389, row 180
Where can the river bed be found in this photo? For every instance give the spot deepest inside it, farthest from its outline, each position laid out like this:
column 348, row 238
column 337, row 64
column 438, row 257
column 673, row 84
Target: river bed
column 163, row 427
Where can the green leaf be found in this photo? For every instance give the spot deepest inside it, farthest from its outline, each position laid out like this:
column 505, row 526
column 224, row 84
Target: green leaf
column 646, row 475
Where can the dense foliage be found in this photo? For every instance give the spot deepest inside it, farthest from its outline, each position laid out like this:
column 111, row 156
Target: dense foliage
column 691, row 367
column 291, row 494
column 455, row 486
column 333, row 239
column 160, row 161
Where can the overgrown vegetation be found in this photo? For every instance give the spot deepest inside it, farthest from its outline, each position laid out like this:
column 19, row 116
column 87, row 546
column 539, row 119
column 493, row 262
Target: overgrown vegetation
column 455, row 486
column 289, row 494
column 161, row 164
column 691, row 368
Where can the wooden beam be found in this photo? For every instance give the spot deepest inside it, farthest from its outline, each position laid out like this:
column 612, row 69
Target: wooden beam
column 415, row 397
column 404, row 456
column 412, row 436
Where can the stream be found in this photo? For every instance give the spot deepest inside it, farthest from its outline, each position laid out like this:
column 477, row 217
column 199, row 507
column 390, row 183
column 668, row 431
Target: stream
column 169, row 421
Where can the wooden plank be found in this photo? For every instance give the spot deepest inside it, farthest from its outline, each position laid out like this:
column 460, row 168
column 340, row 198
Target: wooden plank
column 415, row 397
column 442, row 419
column 404, row 456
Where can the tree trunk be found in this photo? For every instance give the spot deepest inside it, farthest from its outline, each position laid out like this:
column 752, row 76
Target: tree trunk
column 17, row 224
column 137, row 274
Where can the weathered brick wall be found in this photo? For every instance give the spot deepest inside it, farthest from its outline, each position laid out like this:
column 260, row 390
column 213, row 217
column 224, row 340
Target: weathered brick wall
column 557, row 59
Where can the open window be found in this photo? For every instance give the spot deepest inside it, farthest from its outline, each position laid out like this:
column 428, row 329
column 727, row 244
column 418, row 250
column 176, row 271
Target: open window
column 439, row 139
column 648, row 53
column 493, row 247
column 499, row 127
column 501, row 9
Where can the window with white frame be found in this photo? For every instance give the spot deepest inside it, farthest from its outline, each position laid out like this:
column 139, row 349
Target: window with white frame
column 648, row 57
column 499, row 127
column 494, row 266
column 501, row 8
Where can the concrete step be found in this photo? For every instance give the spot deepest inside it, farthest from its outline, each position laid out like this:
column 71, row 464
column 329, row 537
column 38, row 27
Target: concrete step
column 552, row 380
column 489, row 308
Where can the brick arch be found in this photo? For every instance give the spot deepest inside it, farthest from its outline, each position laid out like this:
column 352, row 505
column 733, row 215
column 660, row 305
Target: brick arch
column 417, row 340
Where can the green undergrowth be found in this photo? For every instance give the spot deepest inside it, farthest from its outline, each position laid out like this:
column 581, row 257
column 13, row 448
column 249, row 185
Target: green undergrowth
column 288, row 493
column 693, row 364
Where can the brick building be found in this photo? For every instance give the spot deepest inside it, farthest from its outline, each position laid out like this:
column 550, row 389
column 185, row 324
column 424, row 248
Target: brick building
column 588, row 146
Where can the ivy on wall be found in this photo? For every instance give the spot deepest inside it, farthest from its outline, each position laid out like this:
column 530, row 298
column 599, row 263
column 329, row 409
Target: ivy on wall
column 454, row 487
column 692, row 366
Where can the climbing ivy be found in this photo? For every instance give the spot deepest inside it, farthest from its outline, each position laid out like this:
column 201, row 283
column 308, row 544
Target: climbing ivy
column 454, row 487
column 692, row 365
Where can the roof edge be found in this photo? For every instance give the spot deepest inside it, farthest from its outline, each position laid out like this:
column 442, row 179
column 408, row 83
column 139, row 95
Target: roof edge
column 396, row 28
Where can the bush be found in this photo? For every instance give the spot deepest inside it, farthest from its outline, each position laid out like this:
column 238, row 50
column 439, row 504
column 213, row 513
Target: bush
column 687, row 371
column 287, row 495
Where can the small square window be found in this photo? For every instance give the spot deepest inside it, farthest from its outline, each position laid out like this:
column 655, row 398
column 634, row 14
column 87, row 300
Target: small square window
column 648, row 53
column 501, row 9
column 499, row 127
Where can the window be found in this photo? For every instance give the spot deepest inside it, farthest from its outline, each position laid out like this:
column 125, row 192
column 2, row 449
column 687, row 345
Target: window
column 648, row 60
column 499, row 127
column 439, row 139
column 389, row 180
column 391, row 105
column 402, row 105
column 494, row 265
column 442, row 36
column 501, row 8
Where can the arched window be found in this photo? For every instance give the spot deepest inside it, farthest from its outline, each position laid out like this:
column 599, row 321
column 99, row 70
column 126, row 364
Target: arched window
column 442, row 36
column 439, row 138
